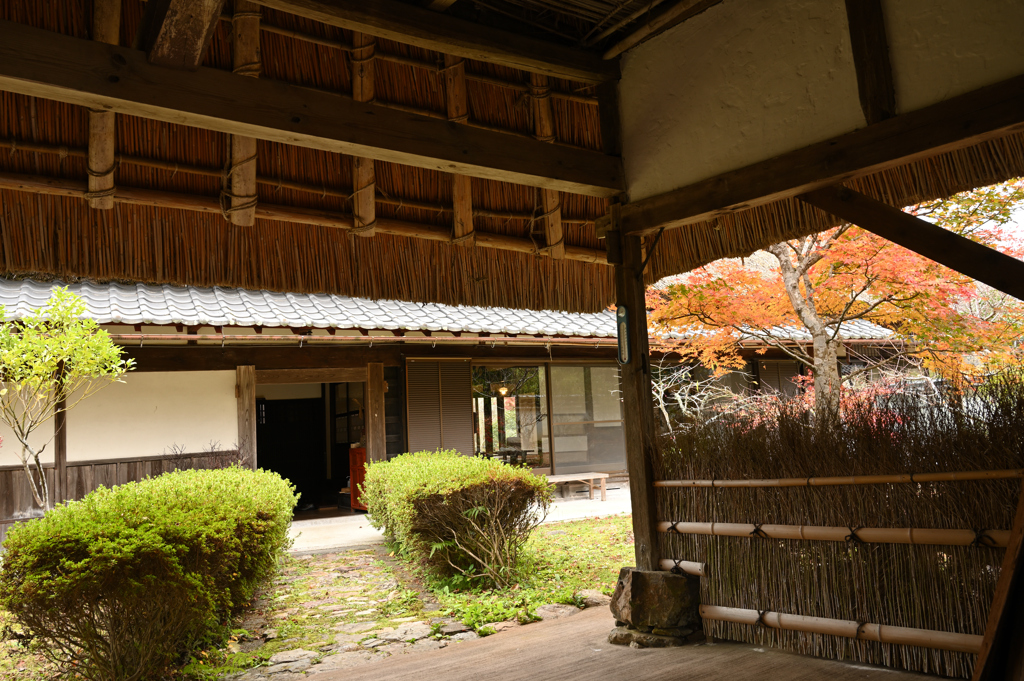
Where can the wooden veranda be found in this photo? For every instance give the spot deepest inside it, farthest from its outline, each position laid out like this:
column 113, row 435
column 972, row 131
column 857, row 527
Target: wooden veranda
column 547, row 154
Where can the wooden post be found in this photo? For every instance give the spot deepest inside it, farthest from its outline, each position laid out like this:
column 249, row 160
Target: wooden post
column 550, row 199
column 637, row 405
column 364, row 209
column 245, row 56
column 245, row 391
column 462, row 186
column 106, row 28
column 376, row 438
column 60, row 453
column 871, row 59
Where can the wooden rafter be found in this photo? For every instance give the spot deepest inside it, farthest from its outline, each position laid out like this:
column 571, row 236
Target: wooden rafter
column 983, row 114
column 422, row 27
column 550, row 199
column 671, row 16
column 977, row 261
column 245, row 57
column 364, row 178
column 106, row 28
column 176, row 33
column 44, row 64
column 462, row 185
column 871, row 59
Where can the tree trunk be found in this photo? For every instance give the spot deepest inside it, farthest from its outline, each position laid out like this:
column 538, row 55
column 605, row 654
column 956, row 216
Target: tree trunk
column 826, row 376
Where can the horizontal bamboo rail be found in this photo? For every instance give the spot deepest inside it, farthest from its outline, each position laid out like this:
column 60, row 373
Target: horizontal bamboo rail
column 863, row 631
column 82, row 152
column 869, row 535
column 307, row 216
column 687, row 566
column 850, row 479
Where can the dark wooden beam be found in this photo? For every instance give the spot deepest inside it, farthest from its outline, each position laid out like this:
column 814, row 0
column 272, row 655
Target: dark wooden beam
column 1002, row 649
column 871, row 59
column 375, row 432
column 60, row 454
column 637, row 407
column 52, row 66
column 958, row 122
column 673, row 15
column 176, row 33
column 328, row 375
column 422, row 27
column 245, row 394
column 977, row 261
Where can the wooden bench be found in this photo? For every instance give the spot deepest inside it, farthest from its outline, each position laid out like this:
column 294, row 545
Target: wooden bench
column 586, row 478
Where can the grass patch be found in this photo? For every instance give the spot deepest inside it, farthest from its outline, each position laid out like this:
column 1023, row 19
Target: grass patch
column 558, row 562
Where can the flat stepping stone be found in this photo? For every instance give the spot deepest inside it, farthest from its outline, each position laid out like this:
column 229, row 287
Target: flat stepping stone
column 592, row 598
column 342, row 661
column 407, row 632
column 466, row 636
column 355, row 627
column 428, row 644
column 291, row 656
column 554, row 611
column 294, row 667
column 454, row 628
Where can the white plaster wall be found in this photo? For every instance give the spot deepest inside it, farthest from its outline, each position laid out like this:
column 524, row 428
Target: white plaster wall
column 11, row 448
column 151, row 411
column 739, row 83
column 943, row 48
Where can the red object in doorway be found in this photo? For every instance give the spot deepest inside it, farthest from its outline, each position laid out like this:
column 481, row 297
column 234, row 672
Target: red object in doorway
column 357, row 473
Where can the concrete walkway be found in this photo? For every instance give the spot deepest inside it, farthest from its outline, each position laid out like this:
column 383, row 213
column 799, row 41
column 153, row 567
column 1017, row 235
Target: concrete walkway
column 354, row 531
column 577, row 648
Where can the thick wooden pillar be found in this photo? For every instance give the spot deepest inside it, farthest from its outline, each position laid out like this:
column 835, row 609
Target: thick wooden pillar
column 376, row 438
column 462, row 186
column 245, row 56
column 245, row 391
column 637, row 404
column 364, row 180
column 60, row 453
column 106, row 28
column 550, row 199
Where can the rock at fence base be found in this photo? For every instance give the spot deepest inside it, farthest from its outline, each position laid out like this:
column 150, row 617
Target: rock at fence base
column 355, row 627
column 454, row 628
column 638, row 639
column 290, row 656
column 592, row 598
column 680, row 632
column 341, row 661
column 428, row 644
column 651, row 599
column 466, row 636
column 554, row 611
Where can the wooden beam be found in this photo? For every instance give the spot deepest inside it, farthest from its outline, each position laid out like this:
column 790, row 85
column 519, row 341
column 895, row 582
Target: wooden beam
column 106, row 28
column 327, row 375
column 975, row 260
column 1000, row 655
column 364, row 179
column 871, row 59
column 40, row 63
column 987, row 113
column 305, row 216
column 550, row 199
column 440, row 5
column 60, row 453
column 245, row 392
column 422, row 27
column 664, row 20
column 376, row 436
column 462, row 186
column 611, row 123
column 245, row 57
column 176, row 33
column 637, row 405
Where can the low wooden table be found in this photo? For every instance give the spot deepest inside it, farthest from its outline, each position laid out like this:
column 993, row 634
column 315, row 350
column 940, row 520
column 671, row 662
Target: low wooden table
column 586, row 478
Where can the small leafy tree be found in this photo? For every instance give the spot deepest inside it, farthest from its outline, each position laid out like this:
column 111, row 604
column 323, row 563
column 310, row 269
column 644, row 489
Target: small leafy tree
column 49, row 362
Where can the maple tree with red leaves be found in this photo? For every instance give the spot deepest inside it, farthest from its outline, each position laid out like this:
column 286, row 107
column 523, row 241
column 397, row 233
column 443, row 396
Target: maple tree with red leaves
column 945, row 321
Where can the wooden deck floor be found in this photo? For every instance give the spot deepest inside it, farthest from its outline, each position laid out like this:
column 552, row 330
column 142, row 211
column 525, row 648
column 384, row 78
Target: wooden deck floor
column 576, row 648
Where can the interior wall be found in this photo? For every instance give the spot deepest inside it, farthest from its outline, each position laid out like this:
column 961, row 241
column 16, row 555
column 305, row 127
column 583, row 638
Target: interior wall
column 738, row 83
column 10, row 449
column 155, row 413
column 743, row 82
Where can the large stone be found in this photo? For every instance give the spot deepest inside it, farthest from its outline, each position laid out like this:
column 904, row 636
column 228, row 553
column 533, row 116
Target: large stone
column 661, row 600
column 412, row 631
column 638, row 639
column 466, row 636
column 296, row 666
column 355, row 627
column 290, row 656
column 592, row 598
column 342, row 661
column 454, row 628
column 554, row 611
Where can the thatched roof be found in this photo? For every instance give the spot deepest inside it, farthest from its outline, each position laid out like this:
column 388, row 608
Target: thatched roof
column 301, row 240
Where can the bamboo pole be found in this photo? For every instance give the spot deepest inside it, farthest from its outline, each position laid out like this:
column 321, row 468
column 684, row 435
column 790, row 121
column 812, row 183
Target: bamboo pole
column 870, row 535
column 106, row 28
column 307, row 216
column 551, row 199
column 863, row 631
column 245, row 56
column 850, row 479
column 687, row 566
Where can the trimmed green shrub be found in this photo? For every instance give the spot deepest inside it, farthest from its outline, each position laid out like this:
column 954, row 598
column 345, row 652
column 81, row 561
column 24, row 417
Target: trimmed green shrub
column 127, row 581
column 460, row 515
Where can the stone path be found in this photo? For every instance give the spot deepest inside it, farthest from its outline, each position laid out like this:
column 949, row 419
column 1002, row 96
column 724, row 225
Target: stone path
column 338, row 611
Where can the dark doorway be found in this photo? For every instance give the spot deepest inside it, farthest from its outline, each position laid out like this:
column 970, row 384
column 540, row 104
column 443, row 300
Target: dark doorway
column 290, row 440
